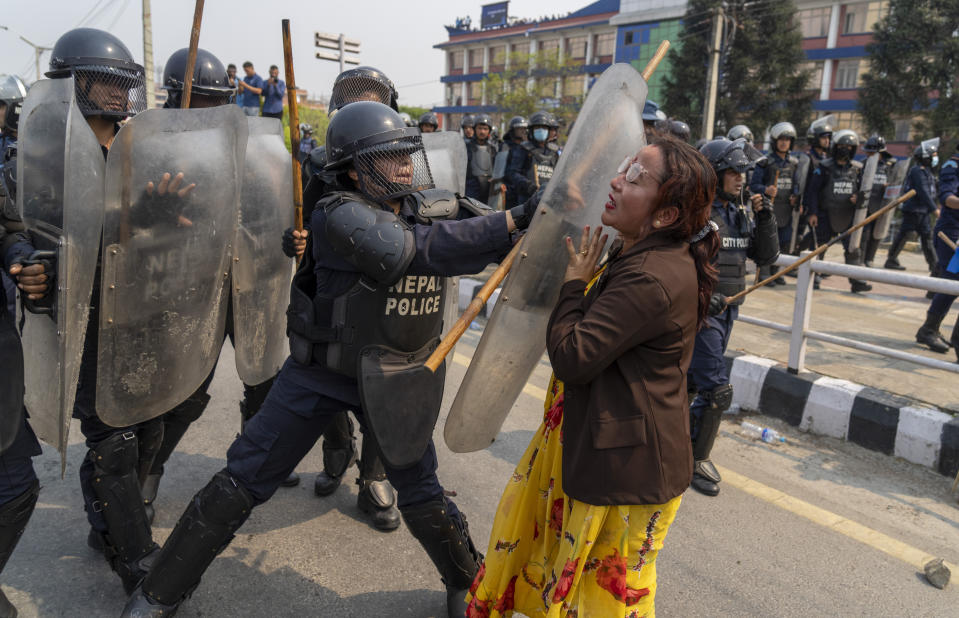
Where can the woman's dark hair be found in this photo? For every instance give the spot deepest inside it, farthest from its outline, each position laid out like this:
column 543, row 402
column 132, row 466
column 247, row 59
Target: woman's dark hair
column 690, row 185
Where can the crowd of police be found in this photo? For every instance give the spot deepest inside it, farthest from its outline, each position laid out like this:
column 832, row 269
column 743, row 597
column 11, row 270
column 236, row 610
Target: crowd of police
column 375, row 257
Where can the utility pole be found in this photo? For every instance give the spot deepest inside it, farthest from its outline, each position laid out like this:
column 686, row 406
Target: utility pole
column 37, row 51
column 148, row 54
column 709, row 114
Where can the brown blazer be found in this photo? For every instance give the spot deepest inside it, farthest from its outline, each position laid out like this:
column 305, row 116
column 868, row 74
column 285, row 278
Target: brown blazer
column 623, row 352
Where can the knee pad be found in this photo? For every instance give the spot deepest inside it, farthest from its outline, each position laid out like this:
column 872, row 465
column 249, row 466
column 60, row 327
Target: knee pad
column 116, row 455
column 224, row 502
column 720, row 398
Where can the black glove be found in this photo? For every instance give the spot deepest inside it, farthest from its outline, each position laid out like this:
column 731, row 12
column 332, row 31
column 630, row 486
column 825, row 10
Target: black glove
column 717, row 304
column 288, row 249
column 523, row 213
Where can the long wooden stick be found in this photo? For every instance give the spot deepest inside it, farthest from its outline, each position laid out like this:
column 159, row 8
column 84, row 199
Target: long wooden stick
column 822, row 248
column 436, row 358
column 947, row 240
column 191, row 56
column 294, row 127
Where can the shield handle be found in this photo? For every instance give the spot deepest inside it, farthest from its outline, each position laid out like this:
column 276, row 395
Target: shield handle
column 446, row 345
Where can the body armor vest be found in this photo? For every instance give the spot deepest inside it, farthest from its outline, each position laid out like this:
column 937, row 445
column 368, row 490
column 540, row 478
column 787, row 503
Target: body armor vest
column 877, row 192
column 735, row 241
column 784, row 186
column 332, row 331
column 481, row 164
column 841, row 183
column 542, row 162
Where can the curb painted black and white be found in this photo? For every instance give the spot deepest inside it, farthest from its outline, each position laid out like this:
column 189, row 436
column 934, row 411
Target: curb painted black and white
column 866, row 416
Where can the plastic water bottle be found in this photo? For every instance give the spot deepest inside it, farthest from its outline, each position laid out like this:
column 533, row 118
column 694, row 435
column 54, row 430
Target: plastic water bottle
column 760, row 433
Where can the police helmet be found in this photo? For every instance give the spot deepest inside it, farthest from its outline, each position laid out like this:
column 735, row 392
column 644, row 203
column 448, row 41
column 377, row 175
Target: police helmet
column 362, row 84
column 483, row 119
column 740, row 131
column 875, row 143
column 651, row 112
column 724, row 154
column 305, row 128
column 518, row 122
column 846, row 141
column 680, row 129
column 430, row 119
column 407, row 119
column 821, row 126
column 388, row 156
column 12, row 89
column 553, row 122
column 209, row 78
column 94, row 57
column 468, row 121
column 926, row 150
column 539, row 119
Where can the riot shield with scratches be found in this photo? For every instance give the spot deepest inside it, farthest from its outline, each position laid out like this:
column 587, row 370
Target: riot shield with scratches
column 865, row 187
column 60, row 171
column 897, row 177
column 261, row 271
column 609, row 128
column 446, row 152
column 167, row 247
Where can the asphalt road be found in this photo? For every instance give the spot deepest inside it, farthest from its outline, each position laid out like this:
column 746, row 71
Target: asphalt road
column 815, row 527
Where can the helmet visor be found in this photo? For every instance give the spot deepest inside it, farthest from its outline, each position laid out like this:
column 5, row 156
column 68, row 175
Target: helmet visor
column 358, row 88
column 392, row 169
column 110, row 91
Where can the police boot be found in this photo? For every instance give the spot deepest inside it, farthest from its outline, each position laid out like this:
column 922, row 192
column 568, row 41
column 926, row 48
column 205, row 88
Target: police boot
column 376, row 497
column 892, row 258
column 857, row 286
column 869, row 254
column 247, row 411
column 149, row 489
column 447, row 542
column 928, row 333
column 339, row 453
column 706, row 477
column 204, row 530
column 14, row 516
column 954, row 339
column 128, row 544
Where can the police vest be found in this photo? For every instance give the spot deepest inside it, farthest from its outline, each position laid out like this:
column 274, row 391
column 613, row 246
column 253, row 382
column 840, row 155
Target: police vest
column 735, row 242
column 542, row 162
column 841, row 182
column 332, row 331
column 784, row 187
column 481, row 165
column 878, row 189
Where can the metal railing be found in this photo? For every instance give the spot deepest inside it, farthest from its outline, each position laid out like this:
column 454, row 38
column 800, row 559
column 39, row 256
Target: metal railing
column 800, row 332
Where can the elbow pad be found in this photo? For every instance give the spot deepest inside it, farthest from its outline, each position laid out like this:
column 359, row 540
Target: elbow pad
column 377, row 242
column 766, row 238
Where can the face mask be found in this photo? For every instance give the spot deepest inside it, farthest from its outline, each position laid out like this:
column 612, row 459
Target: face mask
column 935, row 160
column 540, row 134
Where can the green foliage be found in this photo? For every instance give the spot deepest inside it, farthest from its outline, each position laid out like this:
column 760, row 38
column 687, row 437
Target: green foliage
column 519, row 91
column 414, row 112
column 315, row 117
column 913, row 61
column 762, row 77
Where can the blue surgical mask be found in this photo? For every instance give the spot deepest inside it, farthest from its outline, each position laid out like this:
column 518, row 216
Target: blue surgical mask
column 540, row 134
column 935, row 160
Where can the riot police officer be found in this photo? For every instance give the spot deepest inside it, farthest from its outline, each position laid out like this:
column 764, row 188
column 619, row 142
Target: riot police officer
column 947, row 223
column 480, row 153
column 778, row 181
column 468, row 126
column 516, row 134
column 531, row 165
column 407, row 119
column 307, row 142
column 109, row 88
column 375, row 498
column 12, row 93
column 742, row 238
column 875, row 146
column 916, row 210
column 741, row 131
column 676, row 128
column 651, row 113
column 428, row 123
column 819, row 136
column 553, row 134
column 833, row 195
column 391, row 280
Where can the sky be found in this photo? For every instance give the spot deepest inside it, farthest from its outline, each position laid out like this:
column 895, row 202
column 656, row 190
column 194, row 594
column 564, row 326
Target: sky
column 396, row 37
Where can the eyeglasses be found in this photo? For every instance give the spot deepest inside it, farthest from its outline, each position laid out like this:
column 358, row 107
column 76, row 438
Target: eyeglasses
column 634, row 170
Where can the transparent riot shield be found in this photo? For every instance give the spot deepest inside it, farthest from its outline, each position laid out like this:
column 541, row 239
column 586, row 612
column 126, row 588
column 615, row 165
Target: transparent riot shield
column 261, row 272
column 894, row 182
column 166, row 257
column 446, row 153
column 802, row 175
column 60, row 169
column 609, row 128
column 865, row 188
column 497, row 191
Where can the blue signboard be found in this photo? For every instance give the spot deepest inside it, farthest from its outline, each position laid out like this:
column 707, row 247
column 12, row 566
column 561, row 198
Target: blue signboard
column 494, row 15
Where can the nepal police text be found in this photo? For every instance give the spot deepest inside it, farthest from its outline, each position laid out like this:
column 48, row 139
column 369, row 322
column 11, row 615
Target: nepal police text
column 415, row 295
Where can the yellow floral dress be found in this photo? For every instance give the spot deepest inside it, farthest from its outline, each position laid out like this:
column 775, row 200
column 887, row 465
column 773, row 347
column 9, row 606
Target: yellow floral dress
column 553, row 556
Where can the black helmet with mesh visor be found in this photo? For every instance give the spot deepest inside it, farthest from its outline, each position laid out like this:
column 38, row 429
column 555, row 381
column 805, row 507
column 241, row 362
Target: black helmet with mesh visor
column 362, row 84
column 107, row 80
column 724, row 154
column 209, row 78
column 387, row 156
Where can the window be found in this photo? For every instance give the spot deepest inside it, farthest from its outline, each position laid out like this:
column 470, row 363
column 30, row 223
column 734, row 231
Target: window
column 549, row 48
column 815, row 76
column 628, row 38
column 456, row 62
column 862, row 16
column 903, row 130
column 850, row 120
column 451, row 94
column 603, row 47
column 497, row 58
column 576, row 48
column 573, row 86
column 475, row 94
column 476, row 60
column 814, row 22
column 847, row 74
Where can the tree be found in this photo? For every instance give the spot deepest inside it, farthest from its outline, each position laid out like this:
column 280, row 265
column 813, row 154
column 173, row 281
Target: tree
column 533, row 82
column 914, row 68
column 762, row 75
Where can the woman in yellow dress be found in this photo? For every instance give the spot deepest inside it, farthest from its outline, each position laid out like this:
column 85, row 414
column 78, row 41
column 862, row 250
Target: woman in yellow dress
column 585, row 513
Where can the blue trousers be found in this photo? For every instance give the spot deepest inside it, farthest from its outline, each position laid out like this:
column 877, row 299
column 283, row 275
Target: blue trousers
column 296, row 412
column 941, row 303
column 707, row 370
